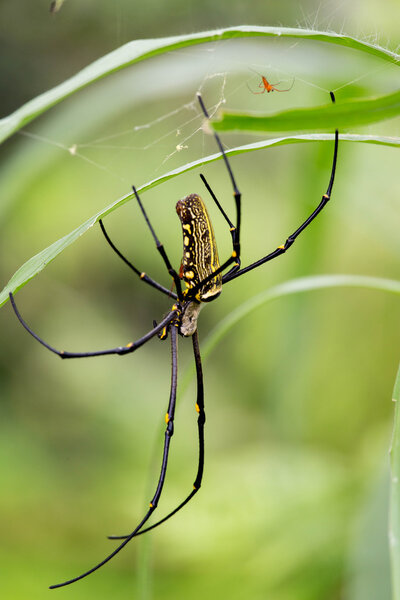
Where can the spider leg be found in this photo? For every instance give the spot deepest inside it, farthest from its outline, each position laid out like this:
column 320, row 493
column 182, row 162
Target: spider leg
column 200, row 426
column 287, row 90
column 235, row 256
column 131, row 347
column 250, row 90
column 232, row 228
column 143, row 276
column 169, row 418
column 161, row 249
column 236, row 194
column 290, row 240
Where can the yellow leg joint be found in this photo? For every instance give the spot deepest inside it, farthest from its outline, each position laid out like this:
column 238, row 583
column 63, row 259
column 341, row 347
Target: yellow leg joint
column 151, row 505
column 282, row 247
column 129, row 345
column 197, row 408
column 167, row 418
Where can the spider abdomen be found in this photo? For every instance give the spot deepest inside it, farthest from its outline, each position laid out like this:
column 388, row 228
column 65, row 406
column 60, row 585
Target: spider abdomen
column 200, row 254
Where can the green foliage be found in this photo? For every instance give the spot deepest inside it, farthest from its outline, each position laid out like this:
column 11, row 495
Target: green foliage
column 38, row 262
column 297, row 394
column 352, row 113
column 394, row 522
column 139, row 50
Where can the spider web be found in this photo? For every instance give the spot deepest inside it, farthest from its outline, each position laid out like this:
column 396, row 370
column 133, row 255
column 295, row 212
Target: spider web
column 229, row 73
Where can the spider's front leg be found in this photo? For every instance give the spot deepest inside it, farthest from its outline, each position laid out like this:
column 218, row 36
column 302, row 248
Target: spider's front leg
column 235, row 230
column 120, row 350
column 160, row 247
column 169, row 419
column 292, row 238
column 141, row 274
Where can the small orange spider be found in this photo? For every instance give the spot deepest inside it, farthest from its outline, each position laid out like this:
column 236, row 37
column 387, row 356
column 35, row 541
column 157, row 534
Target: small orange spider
column 267, row 86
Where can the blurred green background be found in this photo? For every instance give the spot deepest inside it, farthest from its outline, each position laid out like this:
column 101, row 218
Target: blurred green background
column 298, row 395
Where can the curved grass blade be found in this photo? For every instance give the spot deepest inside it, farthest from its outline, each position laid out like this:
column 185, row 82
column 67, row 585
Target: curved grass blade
column 294, row 286
column 139, row 50
column 348, row 113
column 38, row 262
column 394, row 514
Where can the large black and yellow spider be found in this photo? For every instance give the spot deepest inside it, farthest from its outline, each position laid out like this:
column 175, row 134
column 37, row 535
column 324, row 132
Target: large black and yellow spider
column 204, row 278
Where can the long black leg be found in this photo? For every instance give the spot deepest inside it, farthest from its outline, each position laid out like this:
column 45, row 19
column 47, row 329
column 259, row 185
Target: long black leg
column 290, row 240
column 232, row 228
column 235, row 232
column 161, row 249
column 131, row 347
column 233, row 273
column 143, row 276
column 169, row 418
column 200, row 426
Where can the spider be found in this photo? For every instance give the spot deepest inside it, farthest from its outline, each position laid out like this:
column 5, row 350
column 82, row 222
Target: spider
column 204, row 277
column 268, row 87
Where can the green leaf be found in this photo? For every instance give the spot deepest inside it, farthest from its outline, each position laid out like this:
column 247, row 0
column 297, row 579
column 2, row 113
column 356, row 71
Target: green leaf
column 38, row 262
column 394, row 514
column 298, row 286
column 139, row 50
column 332, row 116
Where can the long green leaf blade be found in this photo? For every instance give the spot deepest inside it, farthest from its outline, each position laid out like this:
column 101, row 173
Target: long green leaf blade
column 332, row 116
column 296, row 286
column 139, row 50
column 394, row 515
column 300, row 286
column 38, row 262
